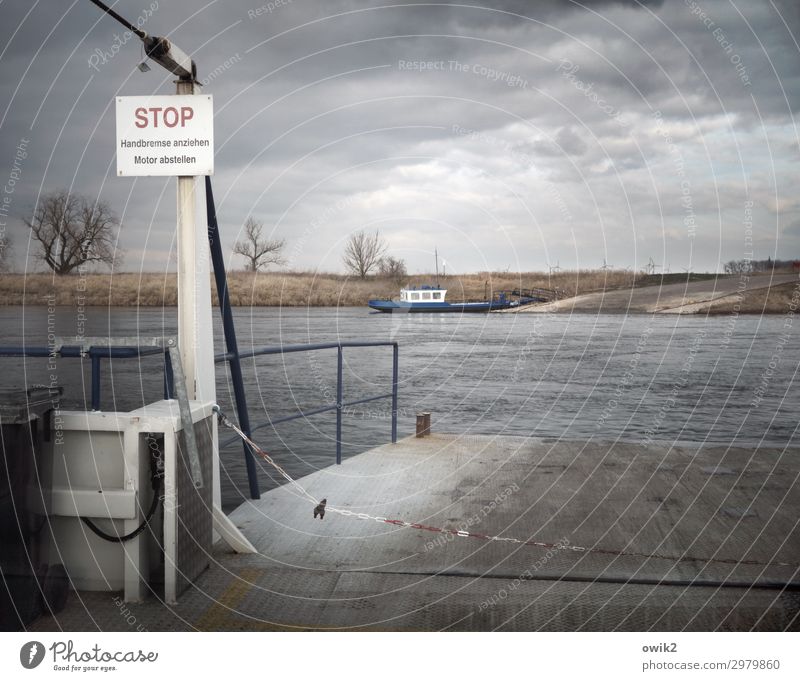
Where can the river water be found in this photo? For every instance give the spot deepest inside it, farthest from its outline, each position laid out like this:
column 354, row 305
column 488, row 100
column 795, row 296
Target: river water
column 727, row 379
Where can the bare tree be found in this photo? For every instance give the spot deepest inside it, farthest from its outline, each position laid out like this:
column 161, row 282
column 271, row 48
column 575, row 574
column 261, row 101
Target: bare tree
column 259, row 252
column 6, row 248
column 363, row 253
column 738, row 266
column 73, row 230
column 392, row 268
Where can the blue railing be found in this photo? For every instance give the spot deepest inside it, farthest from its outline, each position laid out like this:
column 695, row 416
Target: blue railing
column 340, row 404
column 96, row 353
column 232, row 356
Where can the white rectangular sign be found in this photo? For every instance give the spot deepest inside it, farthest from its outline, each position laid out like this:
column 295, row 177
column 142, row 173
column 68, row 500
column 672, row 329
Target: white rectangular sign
column 165, row 135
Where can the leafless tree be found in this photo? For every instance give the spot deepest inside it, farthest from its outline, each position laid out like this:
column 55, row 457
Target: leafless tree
column 6, row 248
column 363, row 253
column 258, row 251
column 392, row 268
column 738, row 267
column 73, row 230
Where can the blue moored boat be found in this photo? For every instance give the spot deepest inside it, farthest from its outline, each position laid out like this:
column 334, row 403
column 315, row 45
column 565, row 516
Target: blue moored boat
column 432, row 299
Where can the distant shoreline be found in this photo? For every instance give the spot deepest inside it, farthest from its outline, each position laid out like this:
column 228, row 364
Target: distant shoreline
column 597, row 290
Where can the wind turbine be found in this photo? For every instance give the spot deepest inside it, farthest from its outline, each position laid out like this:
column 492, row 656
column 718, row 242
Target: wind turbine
column 605, row 266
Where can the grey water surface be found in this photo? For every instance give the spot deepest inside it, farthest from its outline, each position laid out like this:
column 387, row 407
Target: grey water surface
column 725, row 379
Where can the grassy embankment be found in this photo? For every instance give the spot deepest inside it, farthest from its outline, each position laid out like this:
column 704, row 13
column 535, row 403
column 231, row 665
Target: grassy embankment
column 297, row 288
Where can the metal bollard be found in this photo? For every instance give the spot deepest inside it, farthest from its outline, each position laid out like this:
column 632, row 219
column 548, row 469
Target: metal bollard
column 420, row 425
column 423, row 423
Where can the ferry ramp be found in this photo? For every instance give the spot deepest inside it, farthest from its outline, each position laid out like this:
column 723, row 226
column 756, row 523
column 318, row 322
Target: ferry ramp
column 683, row 298
column 672, row 538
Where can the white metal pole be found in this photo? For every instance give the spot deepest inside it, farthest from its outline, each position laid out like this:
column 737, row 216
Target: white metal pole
column 187, row 271
column 195, row 325
column 195, row 329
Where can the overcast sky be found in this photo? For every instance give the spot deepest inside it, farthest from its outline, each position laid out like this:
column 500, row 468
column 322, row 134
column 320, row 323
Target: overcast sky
column 532, row 133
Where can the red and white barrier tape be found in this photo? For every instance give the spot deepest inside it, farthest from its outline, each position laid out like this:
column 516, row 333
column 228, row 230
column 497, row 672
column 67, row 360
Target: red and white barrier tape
column 476, row 535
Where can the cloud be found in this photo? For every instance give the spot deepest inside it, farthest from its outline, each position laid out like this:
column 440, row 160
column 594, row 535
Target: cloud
column 526, row 131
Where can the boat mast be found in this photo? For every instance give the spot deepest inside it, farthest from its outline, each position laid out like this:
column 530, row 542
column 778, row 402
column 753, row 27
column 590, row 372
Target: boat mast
column 436, row 258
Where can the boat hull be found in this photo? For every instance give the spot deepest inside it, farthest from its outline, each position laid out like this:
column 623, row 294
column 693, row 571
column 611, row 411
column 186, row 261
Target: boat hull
column 402, row 307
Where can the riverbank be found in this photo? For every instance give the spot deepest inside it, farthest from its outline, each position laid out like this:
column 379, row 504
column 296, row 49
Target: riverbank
column 610, row 291
column 743, row 294
column 287, row 289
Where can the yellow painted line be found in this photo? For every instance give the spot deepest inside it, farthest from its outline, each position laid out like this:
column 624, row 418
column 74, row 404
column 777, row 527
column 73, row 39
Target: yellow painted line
column 222, row 614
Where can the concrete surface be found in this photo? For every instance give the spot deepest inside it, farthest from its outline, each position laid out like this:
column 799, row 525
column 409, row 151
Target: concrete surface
column 685, row 298
column 349, row 573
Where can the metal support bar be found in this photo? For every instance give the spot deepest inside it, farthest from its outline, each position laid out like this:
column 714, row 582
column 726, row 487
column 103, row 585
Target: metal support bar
column 339, row 405
column 232, row 354
column 187, row 424
column 169, row 378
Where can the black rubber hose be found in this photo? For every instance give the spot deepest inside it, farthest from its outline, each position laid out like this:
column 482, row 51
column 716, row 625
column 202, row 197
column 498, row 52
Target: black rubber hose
column 130, row 535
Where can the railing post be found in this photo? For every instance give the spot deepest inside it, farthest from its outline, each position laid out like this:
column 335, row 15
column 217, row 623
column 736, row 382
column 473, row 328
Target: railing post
column 169, row 379
column 395, row 351
column 339, row 399
column 95, row 381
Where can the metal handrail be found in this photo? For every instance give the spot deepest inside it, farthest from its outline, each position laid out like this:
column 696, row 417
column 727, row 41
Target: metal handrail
column 97, row 352
column 340, row 404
